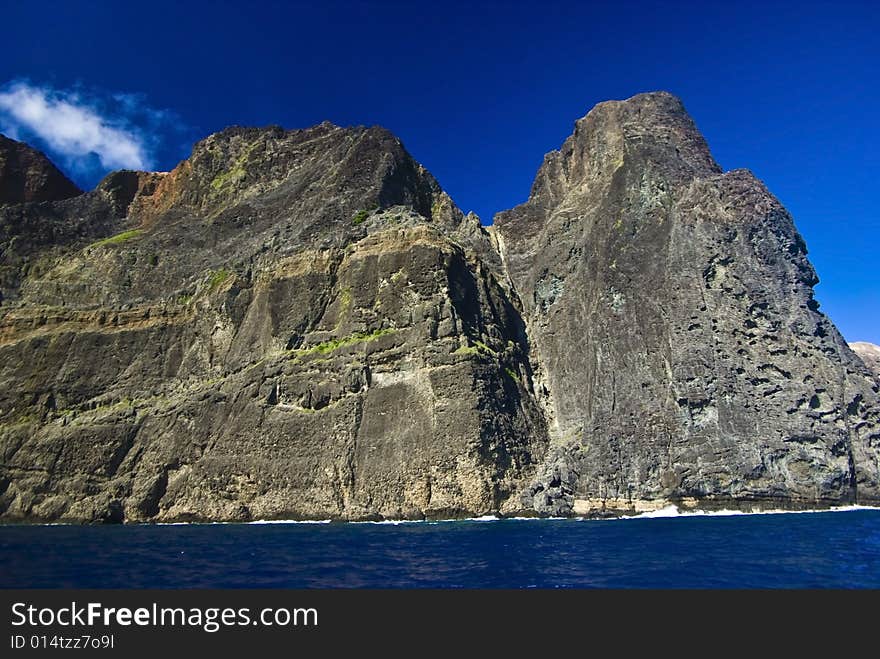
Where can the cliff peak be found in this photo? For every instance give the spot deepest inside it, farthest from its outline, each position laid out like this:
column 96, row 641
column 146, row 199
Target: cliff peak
column 358, row 167
column 650, row 131
column 655, row 121
column 28, row 175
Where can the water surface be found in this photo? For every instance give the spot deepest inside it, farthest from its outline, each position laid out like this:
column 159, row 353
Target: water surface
column 813, row 550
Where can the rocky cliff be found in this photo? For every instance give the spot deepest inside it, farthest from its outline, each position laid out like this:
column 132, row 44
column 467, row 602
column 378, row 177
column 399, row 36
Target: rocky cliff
column 302, row 324
column 288, row 325
column 680, row 351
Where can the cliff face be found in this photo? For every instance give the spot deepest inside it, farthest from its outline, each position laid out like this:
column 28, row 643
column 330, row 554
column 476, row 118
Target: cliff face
column 301, row 324
column 680, row 351
column 288, row 325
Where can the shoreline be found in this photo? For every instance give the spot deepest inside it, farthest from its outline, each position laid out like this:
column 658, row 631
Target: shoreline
column 669, row 511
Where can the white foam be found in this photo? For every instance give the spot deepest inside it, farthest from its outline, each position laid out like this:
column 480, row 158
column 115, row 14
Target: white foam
column 289, row 521
column 670, row 511
column 674, row 511
column 256, row 521
column 397, row 522
column 390, row 522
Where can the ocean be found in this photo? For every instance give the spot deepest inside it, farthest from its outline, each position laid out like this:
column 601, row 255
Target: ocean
column 832, row 549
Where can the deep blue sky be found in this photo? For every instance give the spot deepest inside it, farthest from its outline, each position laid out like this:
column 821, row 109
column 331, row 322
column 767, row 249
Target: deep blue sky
column 479, row 92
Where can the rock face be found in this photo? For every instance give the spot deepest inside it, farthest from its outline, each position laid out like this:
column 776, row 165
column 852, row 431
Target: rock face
column 869, row 354
column 301, row 324
column 288, row 325
column 679, row 351
column 28, row 175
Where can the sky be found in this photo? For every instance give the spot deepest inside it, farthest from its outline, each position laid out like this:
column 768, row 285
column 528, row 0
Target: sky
column 478, row 92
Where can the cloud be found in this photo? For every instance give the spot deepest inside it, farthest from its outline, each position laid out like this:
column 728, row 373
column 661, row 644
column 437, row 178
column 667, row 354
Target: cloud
column 87, row 130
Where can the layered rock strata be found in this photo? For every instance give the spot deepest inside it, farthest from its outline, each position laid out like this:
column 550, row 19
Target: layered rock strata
column 303, row 325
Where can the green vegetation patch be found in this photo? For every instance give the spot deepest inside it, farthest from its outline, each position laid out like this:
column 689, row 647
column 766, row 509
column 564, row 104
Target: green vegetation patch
column 478, row 348
column 27, row 418
column 511, row 373
column 218, row 277
column 361, row 216
column 237, row 173
column 482, row 347
column 118, row 239
column 345, row 300
column 326, row 347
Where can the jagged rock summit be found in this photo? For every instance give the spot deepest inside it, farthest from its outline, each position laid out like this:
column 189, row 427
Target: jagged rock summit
column 303, row 325
column 28, row 175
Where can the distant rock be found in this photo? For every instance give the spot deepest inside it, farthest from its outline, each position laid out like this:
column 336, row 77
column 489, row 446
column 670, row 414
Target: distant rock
column 28, row 175
column 868, row 353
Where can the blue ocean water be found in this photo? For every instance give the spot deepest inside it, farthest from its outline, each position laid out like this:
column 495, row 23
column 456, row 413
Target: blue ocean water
column 815, row 550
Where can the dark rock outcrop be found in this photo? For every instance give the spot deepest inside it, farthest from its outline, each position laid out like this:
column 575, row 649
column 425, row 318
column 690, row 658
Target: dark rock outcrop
column 302, row 324
column 28, row 175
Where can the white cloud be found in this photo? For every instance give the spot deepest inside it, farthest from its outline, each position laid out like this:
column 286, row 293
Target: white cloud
column 78, row 128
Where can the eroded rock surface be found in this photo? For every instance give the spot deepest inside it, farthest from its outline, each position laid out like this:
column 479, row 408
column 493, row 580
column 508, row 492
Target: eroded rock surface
column 289, row 324
column 680, row 352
